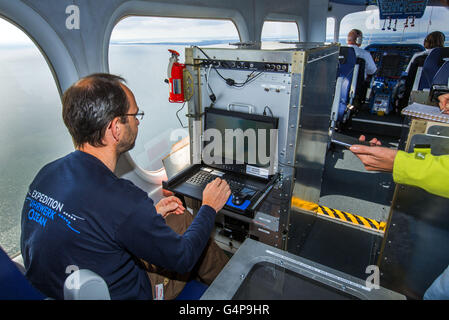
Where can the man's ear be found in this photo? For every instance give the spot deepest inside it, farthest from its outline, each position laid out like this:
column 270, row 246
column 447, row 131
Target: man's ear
column 115, row 128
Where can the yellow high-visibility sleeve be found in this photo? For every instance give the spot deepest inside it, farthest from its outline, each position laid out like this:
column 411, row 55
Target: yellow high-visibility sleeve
column 430, row 173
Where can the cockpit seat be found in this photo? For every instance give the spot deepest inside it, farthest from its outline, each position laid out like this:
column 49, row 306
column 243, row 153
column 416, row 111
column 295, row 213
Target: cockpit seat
column 433, row 63
column 401, row 92
column 345, row 73
column 442, row 75
column 362, row 84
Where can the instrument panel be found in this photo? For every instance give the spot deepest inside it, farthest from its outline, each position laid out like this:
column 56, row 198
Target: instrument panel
column 391, row 61
column 394, row 9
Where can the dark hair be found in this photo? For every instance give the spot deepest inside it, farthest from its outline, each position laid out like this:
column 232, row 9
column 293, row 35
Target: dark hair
column 434, row 40
column 90, row 104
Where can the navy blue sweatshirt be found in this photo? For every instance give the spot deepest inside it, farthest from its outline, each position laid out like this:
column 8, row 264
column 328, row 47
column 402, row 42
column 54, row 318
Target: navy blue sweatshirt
column 79, row 215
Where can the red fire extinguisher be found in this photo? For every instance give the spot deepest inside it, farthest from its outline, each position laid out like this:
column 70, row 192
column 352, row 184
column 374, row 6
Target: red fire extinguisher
column 175, row 78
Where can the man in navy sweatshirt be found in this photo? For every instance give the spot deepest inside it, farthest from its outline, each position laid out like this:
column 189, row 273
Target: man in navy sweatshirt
column 79, row 214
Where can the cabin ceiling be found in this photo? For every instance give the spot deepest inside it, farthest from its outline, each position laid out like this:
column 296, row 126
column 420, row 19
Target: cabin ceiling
column 367, row 2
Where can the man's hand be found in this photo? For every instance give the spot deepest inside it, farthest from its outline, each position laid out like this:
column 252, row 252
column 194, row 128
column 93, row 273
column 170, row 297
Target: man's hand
column 444, row 103
column 375, row 158
column 169, row 205
column 216, row 194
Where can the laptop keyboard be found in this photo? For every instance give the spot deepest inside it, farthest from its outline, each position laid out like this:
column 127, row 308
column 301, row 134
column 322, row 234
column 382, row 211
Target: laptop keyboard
column 202, row 178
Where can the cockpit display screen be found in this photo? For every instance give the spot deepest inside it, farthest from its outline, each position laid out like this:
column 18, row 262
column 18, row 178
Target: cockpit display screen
column 390, row 65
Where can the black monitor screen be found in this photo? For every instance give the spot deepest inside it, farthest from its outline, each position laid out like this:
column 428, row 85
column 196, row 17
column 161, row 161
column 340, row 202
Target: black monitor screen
column 390, row 65
column 245, row 138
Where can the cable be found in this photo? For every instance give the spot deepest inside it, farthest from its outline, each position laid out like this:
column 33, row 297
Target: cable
column 267, row 107
column 231, row 82
column 177, row 116
column 249, row 79
column 212, row 96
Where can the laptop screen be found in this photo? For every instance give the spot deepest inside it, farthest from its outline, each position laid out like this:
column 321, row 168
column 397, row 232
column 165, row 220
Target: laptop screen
column 232, row 137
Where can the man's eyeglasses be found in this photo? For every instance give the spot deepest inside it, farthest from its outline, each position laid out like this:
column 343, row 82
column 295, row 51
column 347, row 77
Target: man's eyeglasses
column 138, row 115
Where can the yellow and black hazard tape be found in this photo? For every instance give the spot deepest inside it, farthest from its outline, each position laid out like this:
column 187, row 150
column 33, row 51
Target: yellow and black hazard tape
column 340, row 215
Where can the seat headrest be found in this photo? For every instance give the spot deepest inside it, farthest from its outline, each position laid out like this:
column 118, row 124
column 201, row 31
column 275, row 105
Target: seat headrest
column 434, row 61
column 438, row 55
column 347, row 55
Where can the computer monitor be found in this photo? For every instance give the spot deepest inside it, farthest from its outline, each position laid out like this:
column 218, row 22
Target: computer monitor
column 240, row 139
column 390, row 65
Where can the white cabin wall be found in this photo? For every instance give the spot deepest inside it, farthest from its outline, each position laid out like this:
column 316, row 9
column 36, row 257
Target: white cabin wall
column 279, row 11
column 317, row 21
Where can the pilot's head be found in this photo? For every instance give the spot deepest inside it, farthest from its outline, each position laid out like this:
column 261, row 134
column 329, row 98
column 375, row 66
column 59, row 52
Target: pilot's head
column 434, row 40
column 355, row 36
column 100, row 110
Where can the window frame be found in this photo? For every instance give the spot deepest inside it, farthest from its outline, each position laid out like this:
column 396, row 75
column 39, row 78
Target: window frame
column 156, row 176
column 43, row 54
column 281, row 21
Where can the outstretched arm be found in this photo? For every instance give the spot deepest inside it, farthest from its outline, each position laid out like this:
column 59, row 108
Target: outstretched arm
column 375, row 158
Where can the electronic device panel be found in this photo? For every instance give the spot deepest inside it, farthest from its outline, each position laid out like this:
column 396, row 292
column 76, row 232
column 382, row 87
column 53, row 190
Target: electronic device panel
column 237, row 147
column 389, row 66
column 265, row 89
column 248, row 145
column 402, row 9
column 405, row 51
column 391, row 61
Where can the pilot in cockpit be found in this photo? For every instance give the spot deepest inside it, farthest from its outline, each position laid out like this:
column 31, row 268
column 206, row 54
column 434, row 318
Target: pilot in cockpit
column 354, row 40
column 433, row 40
column 79, row 215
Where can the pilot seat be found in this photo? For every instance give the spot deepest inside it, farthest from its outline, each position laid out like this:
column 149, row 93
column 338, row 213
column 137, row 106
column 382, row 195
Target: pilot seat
column 401, row 91
column 345, row 86
column 433, row 63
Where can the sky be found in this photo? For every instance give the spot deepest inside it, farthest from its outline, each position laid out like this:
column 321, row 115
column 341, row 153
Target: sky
column 12, row 35
column 150, row 29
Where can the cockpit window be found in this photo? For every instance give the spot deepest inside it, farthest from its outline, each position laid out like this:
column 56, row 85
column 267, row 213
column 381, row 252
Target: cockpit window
column 330, row 29
column 138, row 51
column 404, row 31
column 32, row 131
column 279, row 31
